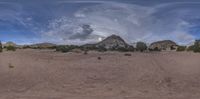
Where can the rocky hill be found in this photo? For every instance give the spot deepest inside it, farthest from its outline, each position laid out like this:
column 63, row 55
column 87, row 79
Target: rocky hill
column 163, row 45
column 111, row 42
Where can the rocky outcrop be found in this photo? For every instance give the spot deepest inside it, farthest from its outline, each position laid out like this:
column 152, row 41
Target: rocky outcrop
column 163, row 45
column 112, row 42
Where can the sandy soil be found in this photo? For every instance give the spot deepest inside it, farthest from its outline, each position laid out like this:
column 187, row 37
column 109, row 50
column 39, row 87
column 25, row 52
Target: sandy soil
column 45, row 74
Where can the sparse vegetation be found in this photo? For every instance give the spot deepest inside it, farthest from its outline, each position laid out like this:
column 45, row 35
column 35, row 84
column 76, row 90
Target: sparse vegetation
column 63, row 48
column 101, row 49
column 1, row 48
column 190, row 48
column 26, row 47
column 127, row 54
column 195, row 48
column 155, row 49
column 85, row 52
column 120, row 49
column 99, row 58
column 181, row 48
column 131, row 49
column 141, row 46
column 10, row 48
column 11, row 66
column 66, row 48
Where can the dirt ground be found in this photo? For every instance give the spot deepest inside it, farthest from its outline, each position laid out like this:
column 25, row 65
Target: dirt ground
column 45, row 74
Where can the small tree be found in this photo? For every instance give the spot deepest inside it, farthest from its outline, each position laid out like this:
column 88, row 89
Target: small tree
column 181, row 48
column 190, row 48
column 1, row 48
column 141, row 46
column 63, row 48
column 11, row 48
column 196, row 47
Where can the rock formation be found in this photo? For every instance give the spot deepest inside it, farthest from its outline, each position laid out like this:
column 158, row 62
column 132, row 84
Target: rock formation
column 163, row 45
column 112, row 42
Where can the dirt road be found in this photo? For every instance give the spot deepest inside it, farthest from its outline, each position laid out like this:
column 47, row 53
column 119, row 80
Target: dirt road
column 45, row 74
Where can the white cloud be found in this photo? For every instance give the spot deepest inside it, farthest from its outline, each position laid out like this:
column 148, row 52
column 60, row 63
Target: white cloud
column 132, row 22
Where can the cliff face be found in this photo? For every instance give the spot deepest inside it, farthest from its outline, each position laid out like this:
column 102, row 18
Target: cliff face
column 163, row 45
column 112, row 41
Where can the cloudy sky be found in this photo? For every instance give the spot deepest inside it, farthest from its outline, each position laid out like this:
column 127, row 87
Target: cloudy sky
column 89, row 21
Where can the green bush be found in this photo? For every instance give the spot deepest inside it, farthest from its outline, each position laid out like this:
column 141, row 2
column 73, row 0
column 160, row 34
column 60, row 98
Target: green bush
column 66, row 48
column 190, row 48
column 196, row 47
column 141, row 46
column 181, row 48
column 10, row 48
column 1, row 48
column 101, row 49
column 122, row 49
column 63, row 49
column 26, row 47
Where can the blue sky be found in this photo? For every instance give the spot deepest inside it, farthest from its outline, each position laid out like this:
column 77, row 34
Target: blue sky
column 88, row 21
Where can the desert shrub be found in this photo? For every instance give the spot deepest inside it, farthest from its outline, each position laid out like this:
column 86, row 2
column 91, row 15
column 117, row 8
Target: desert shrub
column 125, row 49
column 49, row 47
column 196, row 47
column 10, row 65
column 154, row 49
column 127, row 54
column 190, row 48
column 101, row 49
column 66, row 48
column 26, row 47
column 85, row 52
column 10, row 48
column 89, row 48
column 141, row 46
column 63, row 48
column 181, row 48
column 122, row 49
column 76, row 50
column 1, row 48
column 99, row 58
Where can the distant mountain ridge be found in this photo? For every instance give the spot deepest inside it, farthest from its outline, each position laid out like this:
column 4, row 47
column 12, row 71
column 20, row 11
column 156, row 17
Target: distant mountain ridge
column 43, row 45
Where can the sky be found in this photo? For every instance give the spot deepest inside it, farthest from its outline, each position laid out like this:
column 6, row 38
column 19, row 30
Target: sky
column 89, row 21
